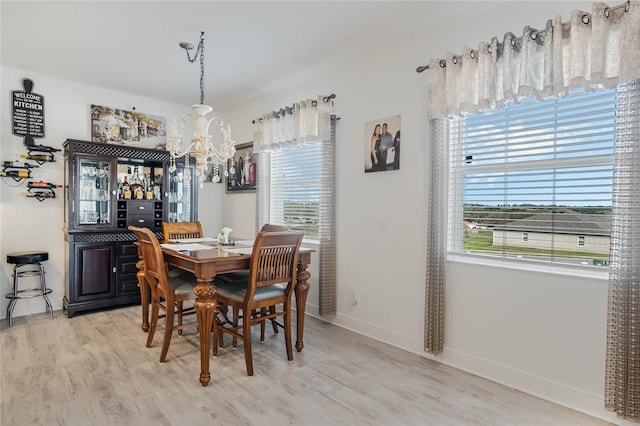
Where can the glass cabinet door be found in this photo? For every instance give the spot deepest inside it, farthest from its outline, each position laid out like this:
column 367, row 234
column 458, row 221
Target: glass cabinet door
column 181, row 195
column 94, row 192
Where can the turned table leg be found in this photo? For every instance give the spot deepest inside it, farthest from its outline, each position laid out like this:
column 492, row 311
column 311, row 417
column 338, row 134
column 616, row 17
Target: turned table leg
column 206, row 306
column 302, row 289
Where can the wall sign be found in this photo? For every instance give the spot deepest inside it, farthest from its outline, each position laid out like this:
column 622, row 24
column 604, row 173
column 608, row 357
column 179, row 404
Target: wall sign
column 28, row 113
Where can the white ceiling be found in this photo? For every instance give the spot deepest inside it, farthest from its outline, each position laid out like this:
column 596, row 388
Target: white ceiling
column 251, row 47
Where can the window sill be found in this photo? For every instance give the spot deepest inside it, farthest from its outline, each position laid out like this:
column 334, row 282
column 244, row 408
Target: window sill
column 532, row 266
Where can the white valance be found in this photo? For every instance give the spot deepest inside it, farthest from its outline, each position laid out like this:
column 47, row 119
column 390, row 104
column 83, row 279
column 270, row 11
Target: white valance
column 593, row 50
column 303, row 122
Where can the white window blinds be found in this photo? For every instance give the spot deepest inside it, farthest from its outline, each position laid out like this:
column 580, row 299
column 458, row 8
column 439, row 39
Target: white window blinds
column 540, row 169
column 295, row 188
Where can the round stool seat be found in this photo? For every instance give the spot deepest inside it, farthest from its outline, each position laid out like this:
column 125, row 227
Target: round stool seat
column 27, row 257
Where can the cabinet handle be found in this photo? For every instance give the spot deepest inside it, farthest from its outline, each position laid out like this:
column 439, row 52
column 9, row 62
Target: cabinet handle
column 140, row 207
column 140, row 220
column 114, row 270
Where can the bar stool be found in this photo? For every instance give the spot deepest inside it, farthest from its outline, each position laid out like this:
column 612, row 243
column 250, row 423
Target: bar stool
column 27, row 264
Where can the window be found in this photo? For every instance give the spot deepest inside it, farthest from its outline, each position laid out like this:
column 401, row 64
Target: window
column 580, row 240
column 534, row 178
column 295, row 188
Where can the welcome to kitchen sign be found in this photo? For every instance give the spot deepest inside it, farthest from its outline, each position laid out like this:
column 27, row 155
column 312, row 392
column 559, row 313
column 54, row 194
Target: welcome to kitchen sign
column 28, row 112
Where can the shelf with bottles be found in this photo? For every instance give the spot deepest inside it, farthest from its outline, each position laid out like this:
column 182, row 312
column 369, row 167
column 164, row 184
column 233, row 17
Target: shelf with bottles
column 15, row 171
column 41, row 190
column 139, row 182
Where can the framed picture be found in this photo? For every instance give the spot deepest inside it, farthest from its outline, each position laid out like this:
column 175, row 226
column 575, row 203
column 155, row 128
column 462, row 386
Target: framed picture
column 241, row 169
column 131, row 128
column 382, row 144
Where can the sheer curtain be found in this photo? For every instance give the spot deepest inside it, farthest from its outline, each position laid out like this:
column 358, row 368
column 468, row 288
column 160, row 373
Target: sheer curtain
column 306, row 122
column 622, row 377
column 594, row 49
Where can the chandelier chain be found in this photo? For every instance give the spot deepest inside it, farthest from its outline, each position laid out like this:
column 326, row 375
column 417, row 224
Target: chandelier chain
column 201, row 68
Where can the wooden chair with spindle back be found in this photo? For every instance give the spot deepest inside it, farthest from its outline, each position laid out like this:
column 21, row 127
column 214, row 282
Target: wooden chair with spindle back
column 271, row 282
column 181, row 230
column 173, row 290
column 241, row 277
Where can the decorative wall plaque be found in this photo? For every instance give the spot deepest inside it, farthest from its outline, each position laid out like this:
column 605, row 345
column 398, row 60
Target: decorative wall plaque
column 28, row 113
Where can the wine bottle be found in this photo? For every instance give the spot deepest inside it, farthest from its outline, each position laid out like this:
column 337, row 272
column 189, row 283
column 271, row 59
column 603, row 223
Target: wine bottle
column 41, row 184
column 38, row 157
column 15, row 173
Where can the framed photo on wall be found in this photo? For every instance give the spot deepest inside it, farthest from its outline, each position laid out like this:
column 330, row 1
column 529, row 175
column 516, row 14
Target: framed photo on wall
column 382, row 144
column 241, row 169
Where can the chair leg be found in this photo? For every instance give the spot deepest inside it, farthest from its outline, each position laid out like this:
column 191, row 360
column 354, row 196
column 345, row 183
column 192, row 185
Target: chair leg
column 236, row 315
column 217, row 335
column 144, row 301
column 246, row 340
column 155, row 311
column 274, row 324
column 263, row 312
column 168, row 331
column 179, row 307
column 287, row 331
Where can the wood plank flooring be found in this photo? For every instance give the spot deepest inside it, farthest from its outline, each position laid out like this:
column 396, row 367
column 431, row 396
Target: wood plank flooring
column 94, row 369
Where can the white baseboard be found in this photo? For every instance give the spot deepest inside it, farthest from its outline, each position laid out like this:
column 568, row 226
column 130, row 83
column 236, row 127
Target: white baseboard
column 572, row 398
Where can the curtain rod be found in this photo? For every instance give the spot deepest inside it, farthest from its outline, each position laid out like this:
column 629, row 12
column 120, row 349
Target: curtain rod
column 585, row 19
column 289, row 109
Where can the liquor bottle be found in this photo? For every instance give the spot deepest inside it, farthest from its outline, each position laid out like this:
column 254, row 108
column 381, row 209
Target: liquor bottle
column 16, row 173
column 126, row 189
column 38, row 157
column 136, row 185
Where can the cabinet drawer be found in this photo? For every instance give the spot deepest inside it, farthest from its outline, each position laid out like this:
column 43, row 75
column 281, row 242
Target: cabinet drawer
column 128, row 250
column 140, row 207
column 127, row 265
column 128, row 284
column 144, row 220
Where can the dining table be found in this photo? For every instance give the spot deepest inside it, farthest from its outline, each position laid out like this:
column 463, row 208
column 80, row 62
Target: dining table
column 205, row 263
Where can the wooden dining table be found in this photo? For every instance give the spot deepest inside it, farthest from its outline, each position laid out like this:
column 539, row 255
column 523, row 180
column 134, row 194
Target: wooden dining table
column 205, row 265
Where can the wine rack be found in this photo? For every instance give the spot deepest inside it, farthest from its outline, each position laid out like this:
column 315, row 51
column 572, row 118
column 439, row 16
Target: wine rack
column 41, row 190
column 16, row 172
column 45, row 154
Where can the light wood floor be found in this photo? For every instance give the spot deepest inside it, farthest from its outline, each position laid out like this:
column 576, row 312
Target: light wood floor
column 94, row 369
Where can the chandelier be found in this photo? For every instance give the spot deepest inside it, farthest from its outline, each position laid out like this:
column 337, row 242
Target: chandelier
column 201, row 147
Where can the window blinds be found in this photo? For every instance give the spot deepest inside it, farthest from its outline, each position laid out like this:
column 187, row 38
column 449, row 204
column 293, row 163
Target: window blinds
column 534, row 181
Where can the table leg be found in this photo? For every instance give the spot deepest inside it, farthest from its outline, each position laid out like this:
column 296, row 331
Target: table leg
column 206, row 305
column 302, row 289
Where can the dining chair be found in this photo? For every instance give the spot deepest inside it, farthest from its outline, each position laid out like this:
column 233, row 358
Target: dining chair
column 240, row 277
column 170, row 231
column 271, row 282
column 173, row 290
column 181, row 230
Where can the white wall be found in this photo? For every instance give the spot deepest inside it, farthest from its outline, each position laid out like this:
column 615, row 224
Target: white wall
column 31, row 225
column 540, row 332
